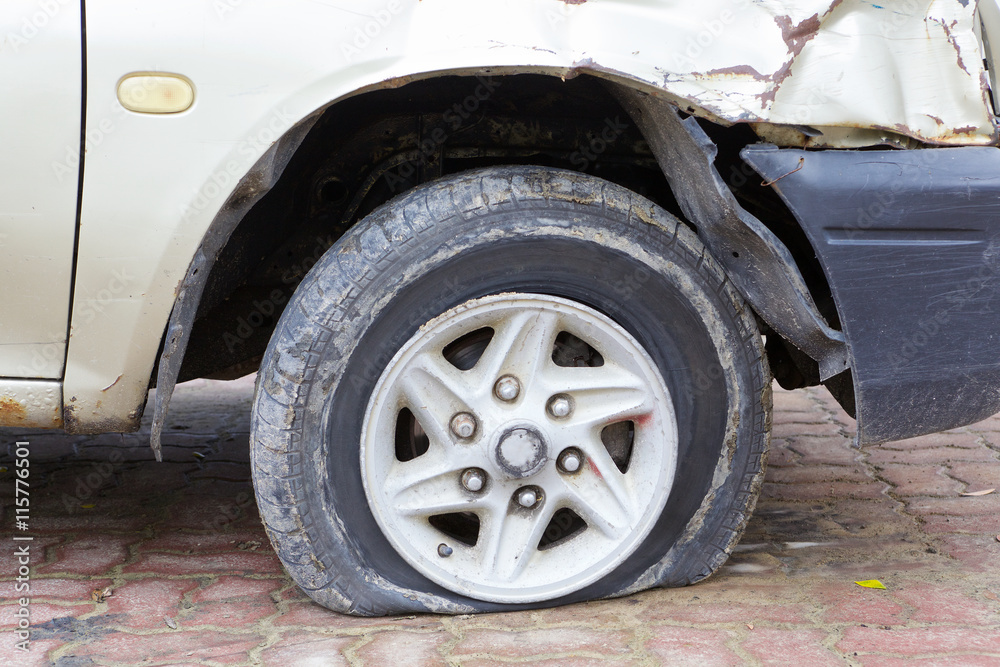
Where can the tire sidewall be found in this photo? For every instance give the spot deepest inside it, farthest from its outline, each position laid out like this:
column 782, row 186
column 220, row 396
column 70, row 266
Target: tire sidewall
column 438, row 247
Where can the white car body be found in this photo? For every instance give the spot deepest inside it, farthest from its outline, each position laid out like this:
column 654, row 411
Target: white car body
column 86, row 301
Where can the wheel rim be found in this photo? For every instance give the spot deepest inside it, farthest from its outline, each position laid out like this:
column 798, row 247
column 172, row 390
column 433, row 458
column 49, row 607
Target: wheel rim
column 518, row 448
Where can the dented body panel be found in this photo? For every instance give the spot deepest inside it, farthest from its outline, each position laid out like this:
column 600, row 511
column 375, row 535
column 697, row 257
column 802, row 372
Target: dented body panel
column 817, row 73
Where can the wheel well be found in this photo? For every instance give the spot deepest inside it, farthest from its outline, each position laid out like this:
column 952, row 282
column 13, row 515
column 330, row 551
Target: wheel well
column 367, row 149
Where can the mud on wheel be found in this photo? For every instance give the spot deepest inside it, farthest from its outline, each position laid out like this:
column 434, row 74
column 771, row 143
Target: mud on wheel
column 509, row 388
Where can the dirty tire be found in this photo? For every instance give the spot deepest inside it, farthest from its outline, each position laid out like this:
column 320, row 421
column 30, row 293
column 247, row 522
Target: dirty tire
column 495, row 231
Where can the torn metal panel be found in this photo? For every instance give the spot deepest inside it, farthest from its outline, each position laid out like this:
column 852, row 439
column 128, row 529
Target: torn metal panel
column 911, row 68
column 757, row 262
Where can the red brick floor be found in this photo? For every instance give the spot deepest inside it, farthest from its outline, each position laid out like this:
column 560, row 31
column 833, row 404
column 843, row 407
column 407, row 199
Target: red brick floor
column 194, row 580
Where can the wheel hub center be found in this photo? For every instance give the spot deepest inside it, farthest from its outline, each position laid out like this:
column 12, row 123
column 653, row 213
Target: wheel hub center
column 521, row 451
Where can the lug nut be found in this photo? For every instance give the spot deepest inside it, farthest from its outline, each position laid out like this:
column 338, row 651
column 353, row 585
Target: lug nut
column 570, row 460
column 463, row 425
column 473, row 480
column 560, row 406
column 444, row 550
column 507, row 388
column 527, row 497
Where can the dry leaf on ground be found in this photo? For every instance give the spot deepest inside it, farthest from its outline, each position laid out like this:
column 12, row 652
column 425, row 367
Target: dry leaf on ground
column 984, row 492
column 99, row 595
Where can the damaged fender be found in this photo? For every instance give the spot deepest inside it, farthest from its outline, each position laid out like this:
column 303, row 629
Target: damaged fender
column 760, row 266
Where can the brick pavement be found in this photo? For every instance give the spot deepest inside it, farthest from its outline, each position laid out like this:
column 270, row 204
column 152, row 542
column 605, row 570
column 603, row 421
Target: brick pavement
column 182, row 541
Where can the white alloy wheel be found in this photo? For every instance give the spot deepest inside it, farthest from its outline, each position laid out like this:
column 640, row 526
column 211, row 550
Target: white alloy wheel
column 537, row 469
column 507, row 389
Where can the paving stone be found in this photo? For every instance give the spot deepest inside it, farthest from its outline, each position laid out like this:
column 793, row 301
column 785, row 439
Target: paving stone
column 153, row 480
column 592, row 614
column 552, row 662
column 780, row 455
column 796, row 430
column 806, row 474
column 917, row 480
column 957, row 506
column 973, row 553
column 719, row 613
column 62, row 590
column 832, row 450
column 38, row 613
column 231, row 511
column 961, row 439
column 226, row 614
column 774, row 647
column 202, row 542
column 823, row 490
column 976, row 477
column 404, row 649
column 142, row 603
column 38, row 549
column 878, row 455
column 192, row 527
column 943, row 604
column 99, row 514
column 303, row 649
column 217, row 563
column 137, row 649
column 691, row 646
column 849, row 603
column 543, row 642
column 795, row 402
column 962, row 524
column 231, row 588
column 939, row 640
column 311, row 615
column 37, row 654
column 92, row 555
column 941, row 661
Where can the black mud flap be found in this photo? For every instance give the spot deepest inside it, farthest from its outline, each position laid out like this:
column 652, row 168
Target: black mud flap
column 910, row 243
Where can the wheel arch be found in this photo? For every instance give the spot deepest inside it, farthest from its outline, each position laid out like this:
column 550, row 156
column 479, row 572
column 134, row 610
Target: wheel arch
column 239, row 232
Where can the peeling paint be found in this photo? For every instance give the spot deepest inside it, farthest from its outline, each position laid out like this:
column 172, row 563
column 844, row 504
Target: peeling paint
column 113, row 383
column 948, row 27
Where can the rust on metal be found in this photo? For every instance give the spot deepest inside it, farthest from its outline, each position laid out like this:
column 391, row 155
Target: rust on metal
column 12, row 412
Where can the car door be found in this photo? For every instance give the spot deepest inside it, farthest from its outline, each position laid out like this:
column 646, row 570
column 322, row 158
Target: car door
column 41, row 69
